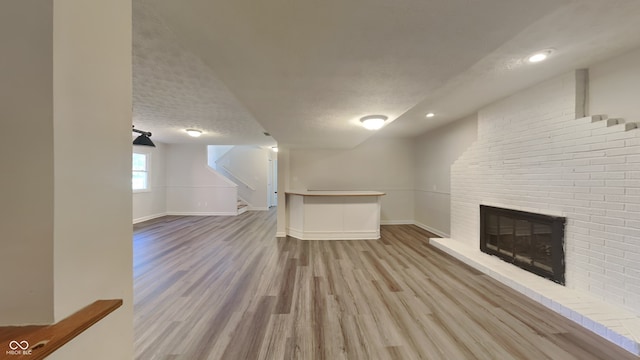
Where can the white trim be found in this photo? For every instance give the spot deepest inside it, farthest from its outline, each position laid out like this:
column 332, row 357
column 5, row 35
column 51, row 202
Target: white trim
column 201, row 187
column 433, row 192
column 339, row 193
column 258, row 208
column 298, row 234
column 244, row 182
column 432, row 230
column 397, row 222
column 218, row 213
column 224, row 178
column 146, row 171
column 377, row 189
column 281, row 234
column 149, row 217
column 333, row 235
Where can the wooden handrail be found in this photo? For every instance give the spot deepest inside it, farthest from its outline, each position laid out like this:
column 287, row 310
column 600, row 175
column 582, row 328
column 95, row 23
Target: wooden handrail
column 37, row 342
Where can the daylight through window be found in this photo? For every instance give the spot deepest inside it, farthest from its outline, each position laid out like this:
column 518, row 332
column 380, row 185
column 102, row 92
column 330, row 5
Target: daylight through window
column 140, row 177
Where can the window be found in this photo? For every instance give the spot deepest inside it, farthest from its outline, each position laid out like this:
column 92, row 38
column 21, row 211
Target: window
column 140, row 177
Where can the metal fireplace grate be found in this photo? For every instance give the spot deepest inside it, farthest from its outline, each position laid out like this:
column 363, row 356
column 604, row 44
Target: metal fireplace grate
column 534, row 242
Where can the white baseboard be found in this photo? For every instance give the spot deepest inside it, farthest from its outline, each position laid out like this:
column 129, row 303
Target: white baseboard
column 149, row 217
column 431, row 230
column 259, row 208
column 218, row 213
column 334, row 235
column 397, row 222
column 281, row 234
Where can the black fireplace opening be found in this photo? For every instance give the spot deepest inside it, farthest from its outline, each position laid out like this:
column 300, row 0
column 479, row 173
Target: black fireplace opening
column 533, row 242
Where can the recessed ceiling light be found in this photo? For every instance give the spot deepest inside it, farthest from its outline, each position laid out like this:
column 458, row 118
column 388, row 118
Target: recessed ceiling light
column 194, row 132
column 540, row 56
column 430, row 115
column 373, row 122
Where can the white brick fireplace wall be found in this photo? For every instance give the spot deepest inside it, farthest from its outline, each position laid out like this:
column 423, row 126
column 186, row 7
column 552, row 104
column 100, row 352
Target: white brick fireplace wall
column 532, row 154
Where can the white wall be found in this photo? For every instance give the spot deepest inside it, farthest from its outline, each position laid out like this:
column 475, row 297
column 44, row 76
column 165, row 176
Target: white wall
column 92, row 165
column 533, row 155
column 193, row 188
column 26, row 142
column 614, row 87
column 215, row 152
column 66, row 120
column 377, row 164
column 151, row 203
column 435, row 151
column 248, row 167
column 182, row 181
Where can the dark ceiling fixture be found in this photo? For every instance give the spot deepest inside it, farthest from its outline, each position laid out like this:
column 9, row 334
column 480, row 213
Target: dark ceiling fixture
column 143, row 139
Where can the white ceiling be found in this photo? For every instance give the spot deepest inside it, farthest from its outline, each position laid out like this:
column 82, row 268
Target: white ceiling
column 306, row 71
column 174, row 90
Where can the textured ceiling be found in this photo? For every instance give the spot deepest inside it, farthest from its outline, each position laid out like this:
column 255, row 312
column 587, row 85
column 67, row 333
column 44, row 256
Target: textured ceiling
column 306, row 71
column 582, row 33
column 174, row 90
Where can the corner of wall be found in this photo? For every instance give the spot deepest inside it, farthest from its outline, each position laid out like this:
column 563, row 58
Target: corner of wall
column 582, row 93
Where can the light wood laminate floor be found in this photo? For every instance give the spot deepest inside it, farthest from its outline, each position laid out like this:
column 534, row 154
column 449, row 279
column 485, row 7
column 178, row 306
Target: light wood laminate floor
column 226, row 288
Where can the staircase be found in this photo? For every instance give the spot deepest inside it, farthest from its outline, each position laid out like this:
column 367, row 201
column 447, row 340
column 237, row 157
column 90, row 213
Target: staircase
column 242, row 206
column 242, row 188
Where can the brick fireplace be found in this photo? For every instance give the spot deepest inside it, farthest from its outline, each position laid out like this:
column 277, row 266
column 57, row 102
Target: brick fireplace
column 533, row 242
column 537, row 152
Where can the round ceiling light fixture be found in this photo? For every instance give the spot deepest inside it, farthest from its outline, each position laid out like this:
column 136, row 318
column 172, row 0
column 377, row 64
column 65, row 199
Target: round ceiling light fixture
column 430, row 115
column 539, row 56
column 373, row 122
column 193, row 132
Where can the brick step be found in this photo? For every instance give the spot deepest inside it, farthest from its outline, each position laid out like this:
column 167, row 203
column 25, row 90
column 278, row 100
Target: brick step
column 626, row 126
column 600, row 117
column 614, row 121
column 631, row 125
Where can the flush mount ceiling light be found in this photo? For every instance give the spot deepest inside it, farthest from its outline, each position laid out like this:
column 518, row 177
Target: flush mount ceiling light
column 193, row 132
column 143, row 139
column 539, row 56
column 373, row 122
column 274, row 148
column 430, row 115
